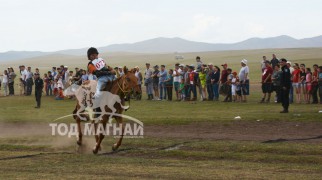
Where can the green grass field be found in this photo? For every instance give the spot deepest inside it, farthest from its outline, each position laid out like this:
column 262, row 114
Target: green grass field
column 182, row 140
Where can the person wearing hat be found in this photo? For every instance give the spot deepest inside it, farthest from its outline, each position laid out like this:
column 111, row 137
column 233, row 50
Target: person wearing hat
column 155, row 80
column 39, row 85
column 244, row 79
column 267, row 87
column 285, row 84
column 148, row 81
column 97, row 66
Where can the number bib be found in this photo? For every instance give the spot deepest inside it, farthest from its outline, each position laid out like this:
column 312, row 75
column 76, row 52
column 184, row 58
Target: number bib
column 99, row 63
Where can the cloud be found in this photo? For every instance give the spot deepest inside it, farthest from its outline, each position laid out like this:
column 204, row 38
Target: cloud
column 201, row 25
column 135, row 17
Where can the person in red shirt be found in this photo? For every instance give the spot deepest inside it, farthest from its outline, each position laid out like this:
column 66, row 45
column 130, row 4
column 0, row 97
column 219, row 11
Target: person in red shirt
column 267, row 87
column 296, row 81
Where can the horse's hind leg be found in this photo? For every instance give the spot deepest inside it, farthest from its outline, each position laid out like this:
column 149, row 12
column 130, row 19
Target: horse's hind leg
column 80, row 134
column 119, row 121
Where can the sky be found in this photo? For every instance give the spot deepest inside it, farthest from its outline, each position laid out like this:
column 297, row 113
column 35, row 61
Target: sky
column 51, row 25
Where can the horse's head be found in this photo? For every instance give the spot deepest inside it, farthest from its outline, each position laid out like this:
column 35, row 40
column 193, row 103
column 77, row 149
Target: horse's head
column 129, row 81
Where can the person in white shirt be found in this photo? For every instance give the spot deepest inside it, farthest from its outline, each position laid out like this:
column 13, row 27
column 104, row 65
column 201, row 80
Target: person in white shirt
column 24, row 74
column 5, row 77
column 244, row 79
column 29, row 81
column 177, row 79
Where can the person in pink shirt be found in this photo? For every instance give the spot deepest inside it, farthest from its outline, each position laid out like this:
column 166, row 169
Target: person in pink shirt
column 296, row 81
column 308, row 81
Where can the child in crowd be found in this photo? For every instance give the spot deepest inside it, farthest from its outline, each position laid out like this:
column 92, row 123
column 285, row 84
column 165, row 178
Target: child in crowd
column 169, row 84
column 181, row 90
column 308, row 80
column 234, row 86
column 55, row 85
column 21, row 87
column 60, row 95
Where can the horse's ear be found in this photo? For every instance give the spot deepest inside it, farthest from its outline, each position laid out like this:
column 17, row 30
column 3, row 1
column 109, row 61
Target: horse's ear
column 125, row 70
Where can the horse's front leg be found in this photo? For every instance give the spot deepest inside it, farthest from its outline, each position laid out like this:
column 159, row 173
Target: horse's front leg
column 99, row 138
column 119, row 121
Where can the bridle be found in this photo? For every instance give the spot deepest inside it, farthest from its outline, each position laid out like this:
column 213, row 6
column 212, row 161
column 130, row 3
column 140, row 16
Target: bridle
column 122, row 88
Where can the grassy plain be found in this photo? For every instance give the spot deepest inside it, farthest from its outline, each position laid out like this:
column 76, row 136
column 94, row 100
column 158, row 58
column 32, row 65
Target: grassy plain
column 182, row 140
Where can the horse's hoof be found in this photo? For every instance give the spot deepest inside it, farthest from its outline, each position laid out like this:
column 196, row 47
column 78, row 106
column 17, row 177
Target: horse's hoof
column 79, row 143
column 114, row 147
column 95, row 151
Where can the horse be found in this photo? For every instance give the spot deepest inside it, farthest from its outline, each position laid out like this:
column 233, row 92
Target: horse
column 121, row 87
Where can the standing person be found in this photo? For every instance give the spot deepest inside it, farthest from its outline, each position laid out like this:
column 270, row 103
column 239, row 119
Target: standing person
column 223, row 80
column 244, row 79
column 177, row 79
column 276, row 78
column 296, row 82
column 199, row 63
column 50, row 83
column 234, row 83
column 209, row 87
column 138, row 75
column 274, row 61
column 320, row 83
column 215, row 80
column 46, row 82
column 267, row 82
column 285, row 85
column 308, row 80
column 24, row 74
column 303, row 81
column 186, row 83
column 155, row 81
column 315, row 79
column 263, row 63
column 11, row 80
column 148, row 81
column 39, row 85
column 162, row 77
column 5, row 80
column 169, row 84
column 228, row 97
column 192, row 83
column 289, row 65
column 29, row 81
column 202, row 78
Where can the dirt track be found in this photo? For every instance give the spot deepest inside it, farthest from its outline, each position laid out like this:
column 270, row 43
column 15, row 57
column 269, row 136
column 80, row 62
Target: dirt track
column 238, row 130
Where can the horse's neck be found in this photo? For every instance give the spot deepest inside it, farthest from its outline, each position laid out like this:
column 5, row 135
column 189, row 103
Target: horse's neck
column 115, row 87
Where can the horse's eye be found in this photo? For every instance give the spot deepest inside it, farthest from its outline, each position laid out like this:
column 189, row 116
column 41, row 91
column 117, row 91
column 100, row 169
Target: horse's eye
column 128, row 79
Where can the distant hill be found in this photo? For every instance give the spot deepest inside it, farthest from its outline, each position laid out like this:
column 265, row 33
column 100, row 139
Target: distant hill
column 166, row 45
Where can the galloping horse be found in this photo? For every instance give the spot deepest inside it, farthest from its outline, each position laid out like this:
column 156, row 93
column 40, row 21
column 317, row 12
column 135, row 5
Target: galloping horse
column 122, row 86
